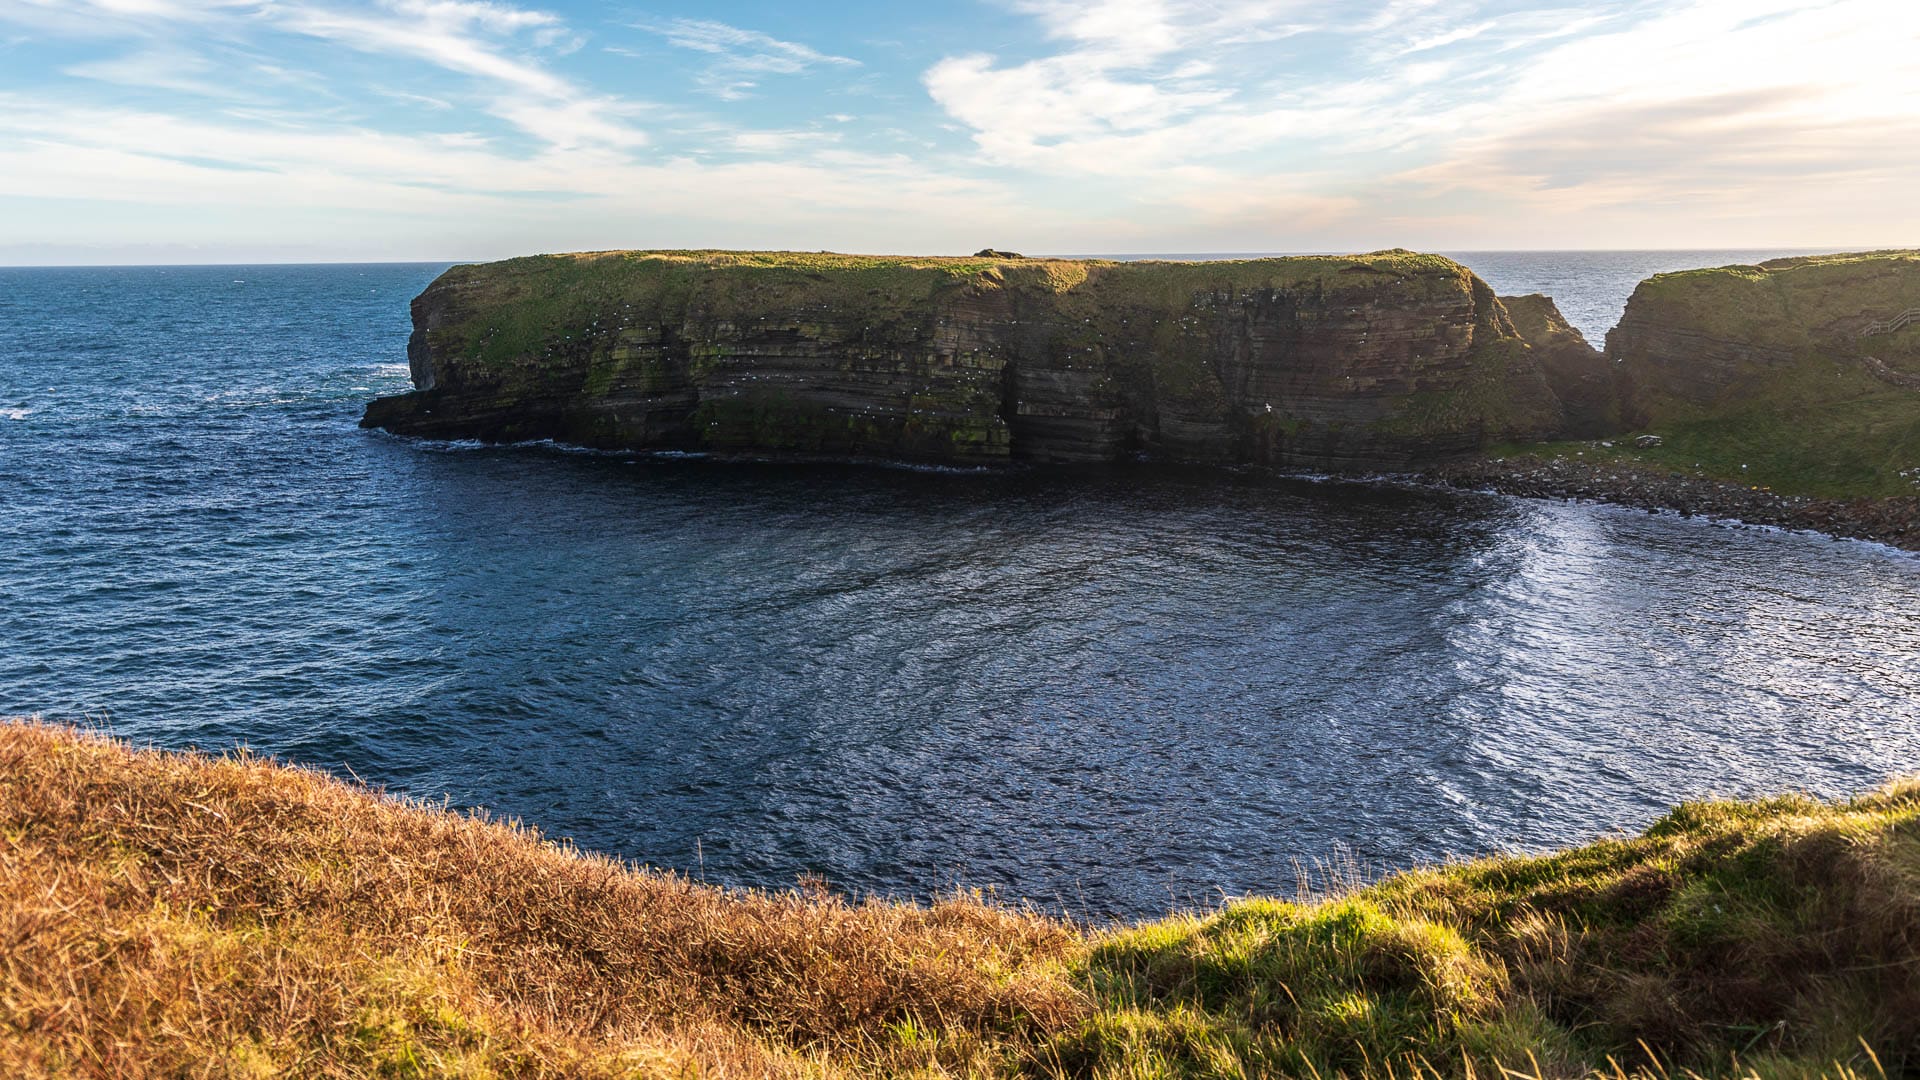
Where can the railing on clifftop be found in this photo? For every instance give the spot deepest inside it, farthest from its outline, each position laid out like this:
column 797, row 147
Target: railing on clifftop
column 1888, row 326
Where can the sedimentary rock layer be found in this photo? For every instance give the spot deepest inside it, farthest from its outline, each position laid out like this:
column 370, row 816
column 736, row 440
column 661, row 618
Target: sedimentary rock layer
column 1356, row 362
column 1702, row 343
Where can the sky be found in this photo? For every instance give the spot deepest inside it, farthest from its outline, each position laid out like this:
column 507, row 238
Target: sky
column 140, row 131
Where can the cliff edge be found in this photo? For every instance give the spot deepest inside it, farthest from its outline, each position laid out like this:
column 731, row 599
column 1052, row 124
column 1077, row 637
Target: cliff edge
column 1367, row 362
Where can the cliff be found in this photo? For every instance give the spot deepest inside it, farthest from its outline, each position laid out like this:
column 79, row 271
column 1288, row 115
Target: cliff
column 175, row 915
column 1797, row 374
column 1590, row 388
column 1360, row 362
column 1700, row 342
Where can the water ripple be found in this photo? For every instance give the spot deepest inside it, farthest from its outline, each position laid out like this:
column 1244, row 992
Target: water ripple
column 1110, row 690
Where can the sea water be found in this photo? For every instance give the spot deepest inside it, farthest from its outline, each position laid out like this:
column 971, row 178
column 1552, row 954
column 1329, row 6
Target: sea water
column 1109, row 691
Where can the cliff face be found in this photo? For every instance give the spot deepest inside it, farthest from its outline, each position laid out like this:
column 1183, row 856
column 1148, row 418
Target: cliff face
column 1590, row 388
column 1708, row 342
column 1376, row 361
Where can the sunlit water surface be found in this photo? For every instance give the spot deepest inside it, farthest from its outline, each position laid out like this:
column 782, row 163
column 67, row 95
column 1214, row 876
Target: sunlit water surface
column 1109, row 690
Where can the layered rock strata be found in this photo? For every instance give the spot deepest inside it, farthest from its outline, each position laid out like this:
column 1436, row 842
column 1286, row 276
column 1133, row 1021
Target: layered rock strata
column 1703, row 343
column 1370, row 362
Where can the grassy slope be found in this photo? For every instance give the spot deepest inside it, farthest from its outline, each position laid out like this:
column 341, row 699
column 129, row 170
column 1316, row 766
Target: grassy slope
column 177, row 915
column 1852, row 448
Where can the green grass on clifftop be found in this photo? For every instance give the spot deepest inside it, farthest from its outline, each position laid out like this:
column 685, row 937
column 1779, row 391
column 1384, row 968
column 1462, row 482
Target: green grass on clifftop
column 518, row 309
column 1807, row 402
column 1797, row 303
column 170, row 915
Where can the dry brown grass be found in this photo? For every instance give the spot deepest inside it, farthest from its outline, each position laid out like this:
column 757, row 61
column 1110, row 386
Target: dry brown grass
column 171, row 915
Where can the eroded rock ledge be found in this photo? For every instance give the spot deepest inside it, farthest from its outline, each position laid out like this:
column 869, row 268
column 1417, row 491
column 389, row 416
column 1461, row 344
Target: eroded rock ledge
column 1383, row 361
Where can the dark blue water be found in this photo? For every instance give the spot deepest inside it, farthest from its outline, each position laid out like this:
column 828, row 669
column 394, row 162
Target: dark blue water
column 1107, row 690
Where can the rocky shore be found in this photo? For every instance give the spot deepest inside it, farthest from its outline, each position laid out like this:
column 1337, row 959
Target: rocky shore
column 1894, row 521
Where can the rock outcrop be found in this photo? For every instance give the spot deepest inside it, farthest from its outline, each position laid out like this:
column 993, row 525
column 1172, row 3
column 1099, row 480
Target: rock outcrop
column 1377, row 361
column 1705, row 343
column 1590, row 388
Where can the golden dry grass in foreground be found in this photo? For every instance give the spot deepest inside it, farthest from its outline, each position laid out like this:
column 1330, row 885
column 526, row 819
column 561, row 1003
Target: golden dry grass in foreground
column 180, row 915
column 165, row 915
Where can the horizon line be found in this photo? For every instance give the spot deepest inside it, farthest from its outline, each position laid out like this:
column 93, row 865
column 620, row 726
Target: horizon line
column 1122, row 256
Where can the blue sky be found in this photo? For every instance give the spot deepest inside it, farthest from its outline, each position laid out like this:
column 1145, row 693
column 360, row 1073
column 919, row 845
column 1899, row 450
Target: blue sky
column 174, row 130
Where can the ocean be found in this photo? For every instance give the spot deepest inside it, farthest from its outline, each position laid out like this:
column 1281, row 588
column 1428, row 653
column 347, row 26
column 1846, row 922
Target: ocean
column 1104, row 691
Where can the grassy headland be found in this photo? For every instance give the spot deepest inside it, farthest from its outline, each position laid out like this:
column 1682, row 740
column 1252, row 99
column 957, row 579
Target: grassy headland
column 1777, row 375
column 181, row 915
column 1309, row 362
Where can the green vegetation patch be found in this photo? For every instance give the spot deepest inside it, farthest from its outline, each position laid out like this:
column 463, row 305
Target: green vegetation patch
column 1826, row 430
column 1792, row 303
column 507, row 313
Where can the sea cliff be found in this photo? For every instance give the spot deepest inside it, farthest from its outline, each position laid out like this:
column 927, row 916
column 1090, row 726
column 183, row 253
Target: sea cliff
column 1380, row 361
column 1786, row 393
column 1787, row 333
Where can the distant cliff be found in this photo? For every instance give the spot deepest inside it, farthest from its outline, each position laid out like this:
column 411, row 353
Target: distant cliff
column 1705, row 342
column 1377, row 361
column 1590, row 389
column 1796, row 374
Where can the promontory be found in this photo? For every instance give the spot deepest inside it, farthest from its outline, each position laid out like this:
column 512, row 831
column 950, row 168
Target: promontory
column 1376, row 361
column 1786, row 393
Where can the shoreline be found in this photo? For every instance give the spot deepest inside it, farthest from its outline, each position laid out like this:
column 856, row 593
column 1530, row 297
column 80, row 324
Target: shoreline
column 1894, row 522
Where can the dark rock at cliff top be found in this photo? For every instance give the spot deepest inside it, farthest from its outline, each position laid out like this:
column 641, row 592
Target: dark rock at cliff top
column 1367, row 362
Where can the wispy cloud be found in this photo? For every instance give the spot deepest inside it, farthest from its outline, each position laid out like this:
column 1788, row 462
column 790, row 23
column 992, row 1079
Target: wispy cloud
column 742, row 58
column 478, row 40
column 495, row 45
column 1807, row 103
column 1090, row 125
column 157, row 68
column 134, row 157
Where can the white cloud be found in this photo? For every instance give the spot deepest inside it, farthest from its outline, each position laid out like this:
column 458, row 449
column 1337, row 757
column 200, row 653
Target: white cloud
column 156, row 69
column 1142, row 124
column 742, row 57
column 1730, row 110
column 473, row 38
column 491, row 43
column 579, row 197
column 1430, row 112
column 1140, row 87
